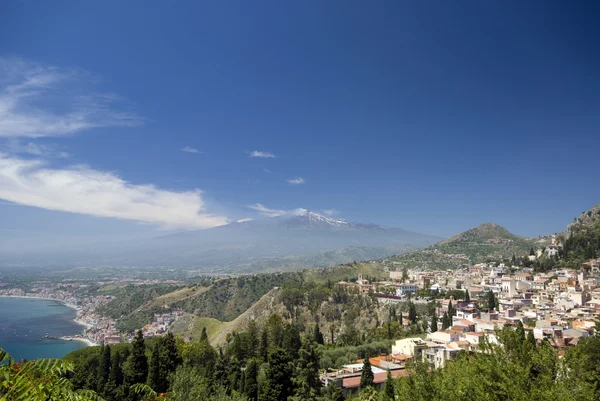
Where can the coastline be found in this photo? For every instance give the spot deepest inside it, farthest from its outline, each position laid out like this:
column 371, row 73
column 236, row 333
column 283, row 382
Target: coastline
column 77, row 321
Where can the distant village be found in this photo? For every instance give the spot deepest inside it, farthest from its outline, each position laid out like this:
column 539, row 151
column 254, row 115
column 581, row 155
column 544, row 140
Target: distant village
column 98, row 329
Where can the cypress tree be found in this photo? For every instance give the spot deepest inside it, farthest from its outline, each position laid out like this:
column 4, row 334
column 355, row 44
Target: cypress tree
column 434, row 323
column 491, row 298
column 318, row 336
column 366, row 376
column 204, row 335
column 388, row 388
column 445, row 321
column 531, row 338
column 103, row 368
column 467, row 296
column 412, row 313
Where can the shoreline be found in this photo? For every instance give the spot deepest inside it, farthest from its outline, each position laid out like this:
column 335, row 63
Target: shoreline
column 77, row 321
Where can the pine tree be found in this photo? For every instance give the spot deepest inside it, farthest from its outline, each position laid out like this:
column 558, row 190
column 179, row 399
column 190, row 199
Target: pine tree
column 388, row 388
column 137, row 363
column 253, row 339
column 278, row 377
column 251, row 380
column 115, row 378
column 104, row 368
column 264, row 344
column 307, row 379
column 169, row 359
column 291, row 341
column 366, row 376
column 220, row 371
column 154, row 370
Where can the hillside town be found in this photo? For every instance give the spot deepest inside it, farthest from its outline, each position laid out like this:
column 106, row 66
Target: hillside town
column 559, row 306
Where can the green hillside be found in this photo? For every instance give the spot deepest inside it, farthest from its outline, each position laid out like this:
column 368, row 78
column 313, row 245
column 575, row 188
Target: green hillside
column 486, row 242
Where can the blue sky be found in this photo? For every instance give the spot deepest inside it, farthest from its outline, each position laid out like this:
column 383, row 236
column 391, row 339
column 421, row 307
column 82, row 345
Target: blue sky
column 431, row 116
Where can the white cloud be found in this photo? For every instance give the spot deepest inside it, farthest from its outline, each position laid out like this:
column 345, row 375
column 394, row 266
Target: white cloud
column 39, row 101
column 330, row 212
column 13, row 145
column 189, row 149
column 80, row 189
column 244, row 220
column 296, row 181
column 265, row 211
column 265, row 155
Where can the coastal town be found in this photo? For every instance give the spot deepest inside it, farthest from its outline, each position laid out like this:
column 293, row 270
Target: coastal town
column 97, row 329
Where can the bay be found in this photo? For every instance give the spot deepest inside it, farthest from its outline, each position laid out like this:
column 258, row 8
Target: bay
column 24, row 321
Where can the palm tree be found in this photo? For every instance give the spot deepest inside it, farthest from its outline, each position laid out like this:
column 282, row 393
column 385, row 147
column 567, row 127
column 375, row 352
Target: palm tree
column 40, row 380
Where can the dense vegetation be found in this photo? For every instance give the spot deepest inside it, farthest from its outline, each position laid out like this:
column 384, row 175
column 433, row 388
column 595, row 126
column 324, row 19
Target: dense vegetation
column 279, row 362
column 515, row 369
column 480, row 244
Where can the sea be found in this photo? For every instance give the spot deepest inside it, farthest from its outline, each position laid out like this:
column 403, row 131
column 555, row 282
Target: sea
column 25, row 321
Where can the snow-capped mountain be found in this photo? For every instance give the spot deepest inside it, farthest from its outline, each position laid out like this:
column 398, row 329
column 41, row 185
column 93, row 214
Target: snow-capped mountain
column 306, row 239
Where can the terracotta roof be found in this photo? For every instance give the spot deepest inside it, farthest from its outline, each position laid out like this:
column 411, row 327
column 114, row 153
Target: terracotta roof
column 351, row 382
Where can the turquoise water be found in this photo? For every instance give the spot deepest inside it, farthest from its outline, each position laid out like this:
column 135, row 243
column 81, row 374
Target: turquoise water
column 23, row 323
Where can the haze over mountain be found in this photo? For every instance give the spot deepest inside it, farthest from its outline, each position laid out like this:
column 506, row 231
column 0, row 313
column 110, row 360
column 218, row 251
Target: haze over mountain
column 303, row 239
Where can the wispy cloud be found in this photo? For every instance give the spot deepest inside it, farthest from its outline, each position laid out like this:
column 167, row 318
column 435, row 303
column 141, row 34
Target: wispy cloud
column 296, row 181
column 189, row 149
column 15, row 146
column 39, row 101
column 264, row 155
column 245, row 220
column 330, row 212
column 80, row 189
column 265, row 211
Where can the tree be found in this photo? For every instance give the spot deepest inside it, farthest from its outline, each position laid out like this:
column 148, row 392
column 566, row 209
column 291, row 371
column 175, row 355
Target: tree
column 404, row 274
column 446, row 322
column 388, row 388
column 251, row 380
column 40, row 380
column 291, row 341
column 366, row 376
column 104, row 368
column 491, row 300
column 154, row 379
column 318, row 336
column 337, row 394
column 169, row 359
column 204, row 335
column 531, row 252
column 306, row 379
column 278, row 377
column 412, row 313
column 434, row 323
column 467, row 296
column 137, row 362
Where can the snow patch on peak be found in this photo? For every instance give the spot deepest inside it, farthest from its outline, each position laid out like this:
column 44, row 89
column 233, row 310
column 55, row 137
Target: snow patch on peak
column 319, row 218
